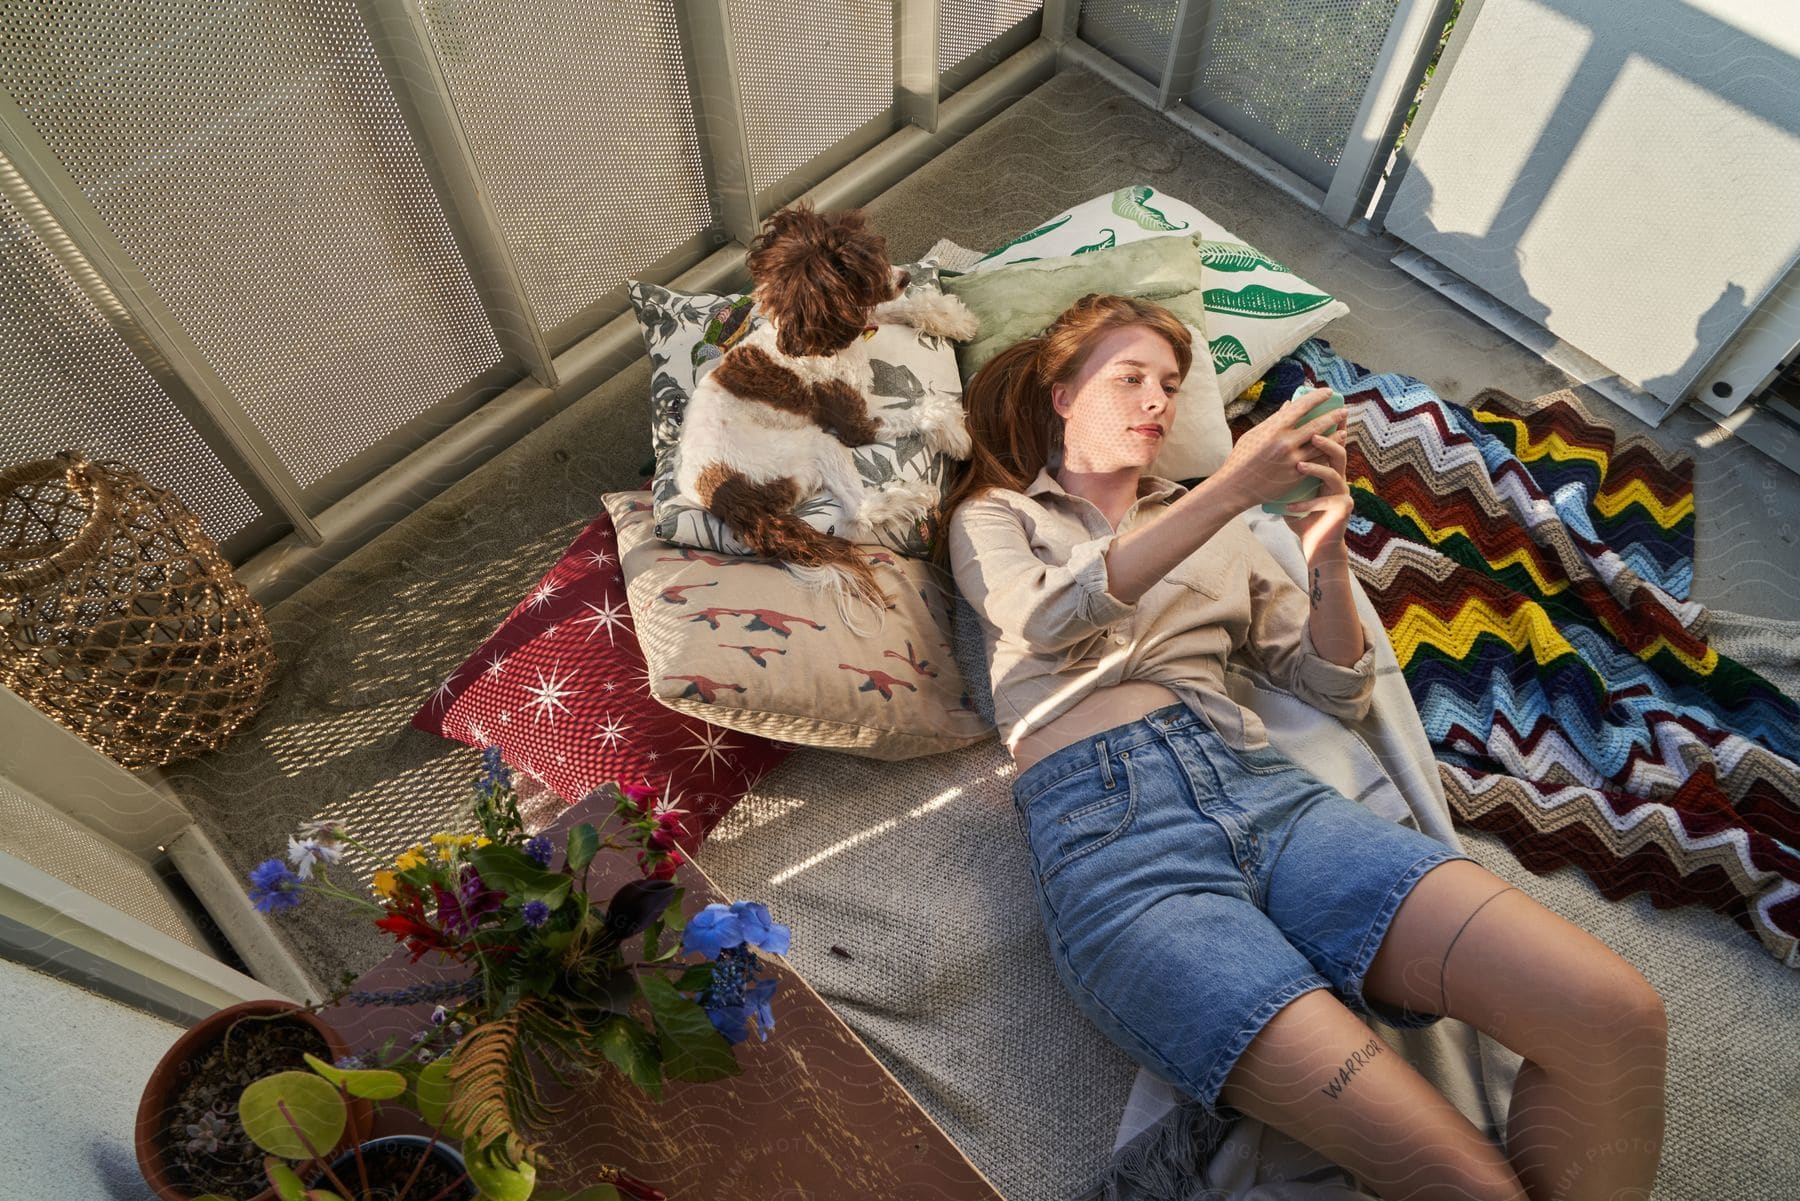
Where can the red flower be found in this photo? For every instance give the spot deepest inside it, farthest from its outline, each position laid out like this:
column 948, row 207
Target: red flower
column 665, row 865
column 419, row 936
column 640, row 795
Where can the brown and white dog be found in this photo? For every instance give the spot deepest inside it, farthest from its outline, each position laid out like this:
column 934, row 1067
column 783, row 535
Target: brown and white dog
column 773, row 423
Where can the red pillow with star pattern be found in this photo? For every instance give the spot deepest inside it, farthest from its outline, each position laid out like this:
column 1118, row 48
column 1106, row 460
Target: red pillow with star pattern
column 562, row 689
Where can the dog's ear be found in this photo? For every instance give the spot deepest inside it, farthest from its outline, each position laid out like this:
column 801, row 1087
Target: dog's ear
column 818, row 275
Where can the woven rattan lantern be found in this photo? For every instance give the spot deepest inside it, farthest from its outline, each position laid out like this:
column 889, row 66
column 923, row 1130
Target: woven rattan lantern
column 118, row 616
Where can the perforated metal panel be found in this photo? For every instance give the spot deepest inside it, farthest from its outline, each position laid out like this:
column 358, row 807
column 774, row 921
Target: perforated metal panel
column 253, row 162
column 581, row 127
column 62, row 847
column 965, row 26
column 1287, row 76
column 67, row 381
column 810, row 76
column 1136, row 32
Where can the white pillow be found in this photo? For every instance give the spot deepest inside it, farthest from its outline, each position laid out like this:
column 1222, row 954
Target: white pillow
column 1257, row 311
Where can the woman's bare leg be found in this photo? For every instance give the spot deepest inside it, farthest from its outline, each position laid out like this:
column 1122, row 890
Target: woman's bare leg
column 1317, row 1073
column 1586, row 1122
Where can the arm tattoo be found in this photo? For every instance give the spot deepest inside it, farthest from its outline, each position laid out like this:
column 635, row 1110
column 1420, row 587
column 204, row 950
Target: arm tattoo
column 1352, row 1065
column 1318, row 594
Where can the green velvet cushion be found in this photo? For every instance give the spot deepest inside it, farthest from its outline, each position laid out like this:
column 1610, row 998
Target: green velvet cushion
column 1020, row 300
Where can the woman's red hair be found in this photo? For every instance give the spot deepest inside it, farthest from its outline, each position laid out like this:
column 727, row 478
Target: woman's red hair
column 1012, row 424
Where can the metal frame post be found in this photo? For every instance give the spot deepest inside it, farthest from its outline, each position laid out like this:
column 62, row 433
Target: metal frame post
column 1411, row 38
column 60, row 213
column 403, row 44
column 1062, row 19
column 706, row 44
column 1183, row 60
column 916, row 62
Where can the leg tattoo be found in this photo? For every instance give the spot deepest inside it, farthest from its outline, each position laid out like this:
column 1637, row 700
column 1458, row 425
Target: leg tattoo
column 1443, row 968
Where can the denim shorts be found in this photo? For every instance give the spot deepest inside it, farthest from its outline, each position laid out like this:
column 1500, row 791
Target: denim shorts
column 1190, row 890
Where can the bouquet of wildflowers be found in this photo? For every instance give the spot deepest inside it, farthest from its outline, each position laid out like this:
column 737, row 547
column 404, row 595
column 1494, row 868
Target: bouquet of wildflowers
column 551, row 983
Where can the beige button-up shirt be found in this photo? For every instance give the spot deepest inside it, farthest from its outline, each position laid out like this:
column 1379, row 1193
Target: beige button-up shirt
column 1033, row 565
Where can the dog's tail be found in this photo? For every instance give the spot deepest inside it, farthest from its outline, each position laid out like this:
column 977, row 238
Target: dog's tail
column 761, row 515
column 824, row 563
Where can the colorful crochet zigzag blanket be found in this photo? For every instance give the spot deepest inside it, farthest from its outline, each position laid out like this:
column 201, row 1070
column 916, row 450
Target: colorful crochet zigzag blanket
column 1531, row 567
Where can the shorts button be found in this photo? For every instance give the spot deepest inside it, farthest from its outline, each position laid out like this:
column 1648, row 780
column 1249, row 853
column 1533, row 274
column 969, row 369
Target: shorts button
column 1119, row 639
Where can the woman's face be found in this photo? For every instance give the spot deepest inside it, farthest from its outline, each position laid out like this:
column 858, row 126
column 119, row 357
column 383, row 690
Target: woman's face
column 1120, row 407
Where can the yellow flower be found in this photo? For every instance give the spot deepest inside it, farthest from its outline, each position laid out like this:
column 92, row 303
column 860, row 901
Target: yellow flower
column 449, row 844
column 410, row 858
column 385, row 883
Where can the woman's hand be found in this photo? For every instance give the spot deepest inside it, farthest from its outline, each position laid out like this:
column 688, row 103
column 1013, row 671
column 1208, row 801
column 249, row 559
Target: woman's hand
column 1267, row 460
column 1320, row 521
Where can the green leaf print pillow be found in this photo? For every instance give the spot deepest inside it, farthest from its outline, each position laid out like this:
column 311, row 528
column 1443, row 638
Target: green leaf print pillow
column 1257, row 311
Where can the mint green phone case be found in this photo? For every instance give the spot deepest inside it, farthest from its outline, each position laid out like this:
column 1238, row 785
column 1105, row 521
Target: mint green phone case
column 1308, row 488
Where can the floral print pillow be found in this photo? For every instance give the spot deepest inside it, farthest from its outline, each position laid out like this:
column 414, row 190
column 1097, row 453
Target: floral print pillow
column 687, row 333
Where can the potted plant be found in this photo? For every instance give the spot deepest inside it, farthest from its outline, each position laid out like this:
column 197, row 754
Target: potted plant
column 552, row 984
column 189, row 1141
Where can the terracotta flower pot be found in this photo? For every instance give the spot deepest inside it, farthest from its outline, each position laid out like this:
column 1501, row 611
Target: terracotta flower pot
column 171, row 1072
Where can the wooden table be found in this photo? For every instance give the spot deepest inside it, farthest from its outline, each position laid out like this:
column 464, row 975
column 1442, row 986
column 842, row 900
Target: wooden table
column 813, row 1116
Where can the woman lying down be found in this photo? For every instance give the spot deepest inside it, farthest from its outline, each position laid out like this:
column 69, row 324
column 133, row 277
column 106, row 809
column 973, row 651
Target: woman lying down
column 1221, row 913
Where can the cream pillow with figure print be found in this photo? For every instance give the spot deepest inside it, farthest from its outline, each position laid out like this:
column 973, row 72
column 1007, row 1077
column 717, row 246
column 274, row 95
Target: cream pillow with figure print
column 1257, row 311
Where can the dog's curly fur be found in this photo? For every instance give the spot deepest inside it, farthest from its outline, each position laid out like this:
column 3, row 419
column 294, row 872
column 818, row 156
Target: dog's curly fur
column 775, row 420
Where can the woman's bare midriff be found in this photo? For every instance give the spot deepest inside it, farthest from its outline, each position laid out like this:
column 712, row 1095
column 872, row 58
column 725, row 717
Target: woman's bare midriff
column 1100, row 710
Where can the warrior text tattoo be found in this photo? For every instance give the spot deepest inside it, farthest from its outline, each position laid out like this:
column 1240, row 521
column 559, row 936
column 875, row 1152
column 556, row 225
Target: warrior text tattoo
column 1318, row 594
column 1352, row 1065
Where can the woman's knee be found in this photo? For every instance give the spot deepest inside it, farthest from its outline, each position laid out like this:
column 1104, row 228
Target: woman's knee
column 1550, row 990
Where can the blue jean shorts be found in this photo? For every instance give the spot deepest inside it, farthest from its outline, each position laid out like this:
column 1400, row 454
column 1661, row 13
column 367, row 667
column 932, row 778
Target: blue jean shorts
column 1191, row 890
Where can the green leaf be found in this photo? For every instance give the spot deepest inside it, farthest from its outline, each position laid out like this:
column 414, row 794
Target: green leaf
column 633, row 1050
column 508, row 869
column 673, row 919
column 1259, row 301
column 1039, row 232
column 584, row 841
column 696, row 978
column 497, row 1181
column 1106, row 243
column 1227, row 352
column 691, row 1048
column 287, row 1182
column 372, row 1084
column 313, row 1105
column 1129, row 202
column 431, row 1092
column 1235, row 256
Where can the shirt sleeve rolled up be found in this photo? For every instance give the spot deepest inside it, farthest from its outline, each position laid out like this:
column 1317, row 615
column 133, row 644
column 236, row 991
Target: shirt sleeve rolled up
column 1280, row 638
column 1046, row 606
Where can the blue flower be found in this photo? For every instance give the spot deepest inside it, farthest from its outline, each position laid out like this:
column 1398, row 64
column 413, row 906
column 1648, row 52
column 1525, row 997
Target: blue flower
column 759, row 931
column 539, row 850
column 536, row 913
column 275, row 886
column 736, row 995
column 712, row 930
column 756, row 999
column 495, row 774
